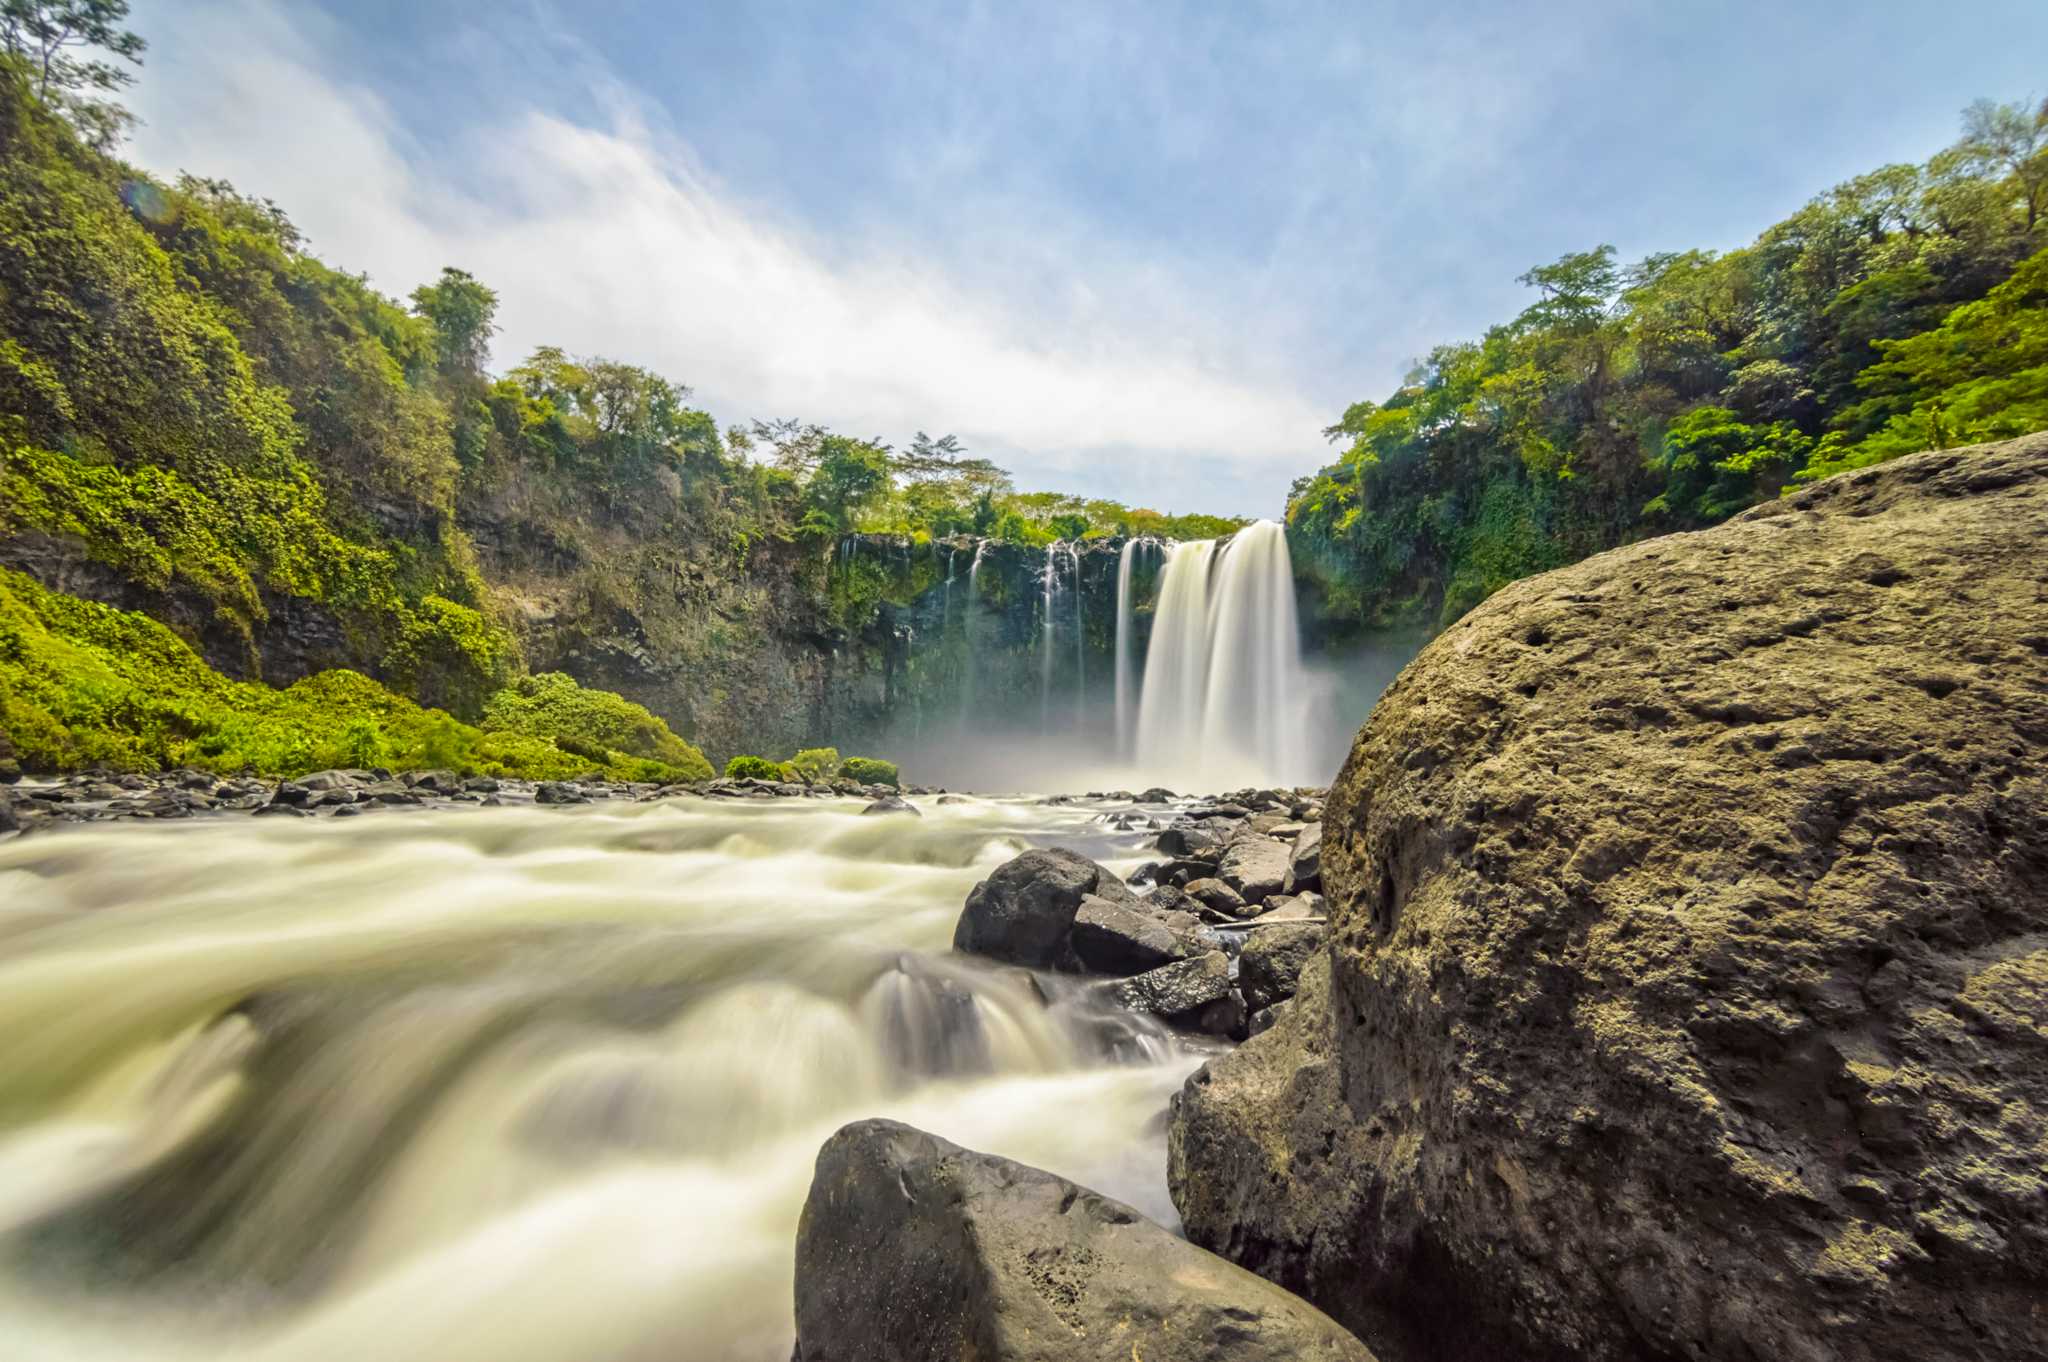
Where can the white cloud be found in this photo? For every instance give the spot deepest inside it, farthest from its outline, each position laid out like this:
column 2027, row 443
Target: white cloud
column 602, row 237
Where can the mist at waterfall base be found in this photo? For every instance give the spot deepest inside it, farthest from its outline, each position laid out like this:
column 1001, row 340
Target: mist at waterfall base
column 510, row 1085
column 1220, row 697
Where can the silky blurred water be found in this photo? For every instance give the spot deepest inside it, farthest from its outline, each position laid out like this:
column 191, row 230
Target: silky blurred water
column 509, row 1084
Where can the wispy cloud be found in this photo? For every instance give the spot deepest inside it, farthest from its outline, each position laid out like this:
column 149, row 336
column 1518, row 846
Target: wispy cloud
column 603, row 236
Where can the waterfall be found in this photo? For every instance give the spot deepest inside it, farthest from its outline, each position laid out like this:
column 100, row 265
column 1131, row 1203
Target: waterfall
column 967, row 613
column 1080, row 644
column 1049, row 595
column 1223, row 697
column 1126, row 688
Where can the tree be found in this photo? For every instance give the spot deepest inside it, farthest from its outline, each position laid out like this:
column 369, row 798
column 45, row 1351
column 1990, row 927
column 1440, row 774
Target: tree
column 2012, row 140
column 464, row 313
column 1576, row 289
column 42, row 39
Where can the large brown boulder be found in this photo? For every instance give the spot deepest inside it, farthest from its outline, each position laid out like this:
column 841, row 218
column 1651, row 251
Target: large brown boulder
column 1687, row 994
column 912, row 1249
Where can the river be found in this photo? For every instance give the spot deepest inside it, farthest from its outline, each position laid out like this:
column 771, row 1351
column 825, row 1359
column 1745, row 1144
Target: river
column 508, row 1084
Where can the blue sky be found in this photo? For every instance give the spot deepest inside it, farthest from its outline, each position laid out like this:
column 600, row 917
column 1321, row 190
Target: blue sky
column 1139, row 251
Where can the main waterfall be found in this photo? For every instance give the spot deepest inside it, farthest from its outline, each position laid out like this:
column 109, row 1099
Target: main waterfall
column 1223, row 699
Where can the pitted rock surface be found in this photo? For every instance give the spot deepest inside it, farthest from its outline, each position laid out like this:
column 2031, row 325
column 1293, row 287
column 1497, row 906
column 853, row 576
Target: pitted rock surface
column 1687, row 994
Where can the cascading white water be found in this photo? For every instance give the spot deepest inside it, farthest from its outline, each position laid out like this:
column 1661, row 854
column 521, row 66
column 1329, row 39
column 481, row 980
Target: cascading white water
column 1049, row 594
column 1125, row 710
column 968, row 611
column 1223, row 699
column 509, row 1085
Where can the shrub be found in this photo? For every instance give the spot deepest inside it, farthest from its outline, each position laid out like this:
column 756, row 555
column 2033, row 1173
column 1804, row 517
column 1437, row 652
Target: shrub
column 869, row 771
column 753, row 768
column 816, row 763
column 551, row 706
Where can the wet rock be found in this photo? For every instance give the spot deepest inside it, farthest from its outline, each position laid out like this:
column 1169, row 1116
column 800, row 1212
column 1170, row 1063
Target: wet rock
column 954, row 799
column 435, row 782
column 8, row 821
column 1305, row 861
column 1158, row 794
column 290, row 792
column 1686, row 985
column 912, row 1249
column 1193, row 994
column 288, row 810
column 321, row 782
column 1272, row 958
column 1219, row 897
column 558, row 792
column 1023, row 912
column 1291, row 908
column 1266, row 1018
column 1114, row 938
column 480, row 785
column 1192, row 837
column 1254, row 865
column 892, row 804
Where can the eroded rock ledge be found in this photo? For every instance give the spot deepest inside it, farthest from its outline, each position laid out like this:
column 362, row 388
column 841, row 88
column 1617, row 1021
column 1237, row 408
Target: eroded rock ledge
column 1687, row 994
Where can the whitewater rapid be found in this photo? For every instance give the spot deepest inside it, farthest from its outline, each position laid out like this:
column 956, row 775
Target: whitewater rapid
column 512, row 1084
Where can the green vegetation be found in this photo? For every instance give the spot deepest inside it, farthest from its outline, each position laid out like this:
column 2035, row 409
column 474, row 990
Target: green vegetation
column 83, row 684
column 934, row 489
column 1904, row 310
column 869, row 771
column 753, row 768
column 554, row 707
column 816, row 763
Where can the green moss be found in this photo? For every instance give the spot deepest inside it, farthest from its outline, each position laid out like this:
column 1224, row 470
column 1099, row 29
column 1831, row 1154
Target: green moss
column 816, row 763
column 83, row 684
column 869, row 771
column 752, row 768
column 553, row 707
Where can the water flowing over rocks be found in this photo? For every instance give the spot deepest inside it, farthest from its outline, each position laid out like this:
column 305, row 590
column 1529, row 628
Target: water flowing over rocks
column 1687, row 994
column 912, row 1249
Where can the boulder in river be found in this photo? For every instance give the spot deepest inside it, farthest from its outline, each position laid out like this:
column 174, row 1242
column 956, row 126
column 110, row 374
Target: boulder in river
column 1195, row 994
column 1305, row 860
column 1254, row 865
column 1219, row 897
column 892, row 804
column 912, row 1249
column 1272, row 958
column 8, row 822
column 1023, row 912
column 1117, row 938
column 1687, row 994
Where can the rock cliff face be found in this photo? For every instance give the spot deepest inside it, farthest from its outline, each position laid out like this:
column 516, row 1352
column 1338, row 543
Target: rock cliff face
column 1687, row 994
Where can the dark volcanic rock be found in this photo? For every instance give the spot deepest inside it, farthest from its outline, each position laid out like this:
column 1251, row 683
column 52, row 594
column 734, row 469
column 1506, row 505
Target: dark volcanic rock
column 892, row 804
column 1194, row 994
column 1254, row 865
column 1687, row 994
column 1114, row 938
column 1217, row 895
column 912, row 1249
column 1023, row 912
column 1305, row 862
column 1272, row 958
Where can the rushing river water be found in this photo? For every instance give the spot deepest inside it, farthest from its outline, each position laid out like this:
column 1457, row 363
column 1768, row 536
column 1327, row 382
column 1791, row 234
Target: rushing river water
column 509, row 1084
